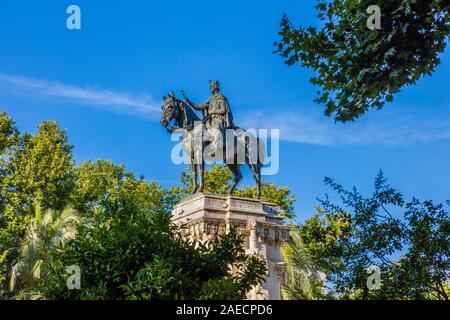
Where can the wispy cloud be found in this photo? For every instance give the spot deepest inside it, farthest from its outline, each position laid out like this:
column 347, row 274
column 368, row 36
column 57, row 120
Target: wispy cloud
column 395, row 129
column 296, row 125
column 117, row 101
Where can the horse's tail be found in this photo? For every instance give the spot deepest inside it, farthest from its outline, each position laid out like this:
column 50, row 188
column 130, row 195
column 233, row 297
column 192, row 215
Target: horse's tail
column 261, row 152
column 255, row 150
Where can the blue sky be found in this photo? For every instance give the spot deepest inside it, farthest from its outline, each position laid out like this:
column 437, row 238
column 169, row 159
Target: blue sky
column 104, row 84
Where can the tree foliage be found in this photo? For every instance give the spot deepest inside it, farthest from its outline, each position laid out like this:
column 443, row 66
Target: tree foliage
column 47, row 231
column 408, row 241
column 130, row 252
column 358, row 68
column 36, row 172
column 9, row 138
column 303, row 276
column 39, row 174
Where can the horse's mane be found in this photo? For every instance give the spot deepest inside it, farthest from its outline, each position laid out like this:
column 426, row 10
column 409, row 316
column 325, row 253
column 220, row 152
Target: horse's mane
column 190, row 114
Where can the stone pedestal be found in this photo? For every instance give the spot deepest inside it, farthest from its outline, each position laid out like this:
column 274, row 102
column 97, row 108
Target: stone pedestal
column 205, row 216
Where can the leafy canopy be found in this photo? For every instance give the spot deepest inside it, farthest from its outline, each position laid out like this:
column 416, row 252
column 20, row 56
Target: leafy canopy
column 303, row 278
column 46, row 232
column 358, row 68
column 130, row 252
column 408, row 241
column 36, row 172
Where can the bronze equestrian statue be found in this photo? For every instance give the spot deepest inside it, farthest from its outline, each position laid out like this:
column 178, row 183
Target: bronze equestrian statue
column 214, row 137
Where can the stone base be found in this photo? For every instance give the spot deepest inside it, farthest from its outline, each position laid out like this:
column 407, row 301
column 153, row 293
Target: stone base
column 205, row 216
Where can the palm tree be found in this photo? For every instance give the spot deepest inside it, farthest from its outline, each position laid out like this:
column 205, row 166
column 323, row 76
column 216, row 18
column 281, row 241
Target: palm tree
column 301, row 273
column 45, row 232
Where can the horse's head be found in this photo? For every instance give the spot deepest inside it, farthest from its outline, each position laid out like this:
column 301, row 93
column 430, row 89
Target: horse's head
column 170, row 111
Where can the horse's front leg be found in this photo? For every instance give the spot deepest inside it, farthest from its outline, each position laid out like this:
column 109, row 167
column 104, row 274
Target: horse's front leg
column 237, row 176
column 201, row 176
column 194, row 178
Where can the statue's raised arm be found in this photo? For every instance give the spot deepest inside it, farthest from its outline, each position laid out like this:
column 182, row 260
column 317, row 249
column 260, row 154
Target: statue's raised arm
column 194, row 105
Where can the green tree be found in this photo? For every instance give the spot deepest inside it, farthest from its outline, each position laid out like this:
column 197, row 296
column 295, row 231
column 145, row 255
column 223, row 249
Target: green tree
column 36, row 171
column 47, row 231
column 9, row 139
column 102, row 184
column 324, row 235
column 132, row 252
column 303, row 277
column 408, row 241
column 222, row 270
column 358, row 68
column 40, row 174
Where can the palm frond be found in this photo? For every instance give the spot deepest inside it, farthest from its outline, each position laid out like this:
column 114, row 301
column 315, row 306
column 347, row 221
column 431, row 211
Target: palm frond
column 300, row 269
column 15, row 274
column 45, row 232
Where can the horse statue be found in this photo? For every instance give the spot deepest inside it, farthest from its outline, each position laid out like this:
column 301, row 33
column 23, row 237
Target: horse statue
column 245, row 148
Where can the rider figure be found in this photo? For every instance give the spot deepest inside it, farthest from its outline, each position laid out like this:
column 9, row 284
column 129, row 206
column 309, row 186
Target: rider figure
column 175, row 100
column 216, row 115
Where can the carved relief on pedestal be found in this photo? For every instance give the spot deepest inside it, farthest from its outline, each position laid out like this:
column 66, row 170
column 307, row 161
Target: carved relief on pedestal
column 253, row 239
column 280, row 269
column 245, row 204
column 258, row 293
column 215, row 203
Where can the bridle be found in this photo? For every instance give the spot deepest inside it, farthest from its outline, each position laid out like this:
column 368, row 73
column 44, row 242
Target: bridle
column 176, row 108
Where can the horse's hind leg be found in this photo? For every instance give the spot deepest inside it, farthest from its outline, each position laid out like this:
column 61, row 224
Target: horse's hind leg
column 194, row 178
column 256, row 171
column 237, row 176
column 201, row 176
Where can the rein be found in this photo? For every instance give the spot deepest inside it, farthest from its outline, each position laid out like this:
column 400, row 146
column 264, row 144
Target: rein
column 172, row 128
